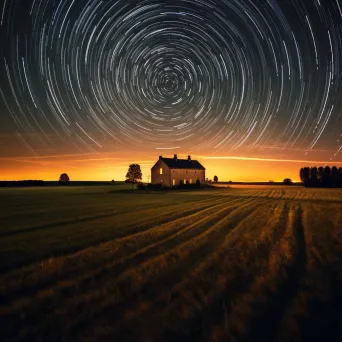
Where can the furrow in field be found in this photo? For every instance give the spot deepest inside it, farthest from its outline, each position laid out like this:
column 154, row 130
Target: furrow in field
column 318, row 303
column 286, row 269
column 276, row 193
column 100, row 258
column 257, row 311
column 37, row 247
column 116, row 290
column 295, row 196
column 86, row 217
column 38, row 211
column 216, row 286
column 182, row 298
column 38, row 215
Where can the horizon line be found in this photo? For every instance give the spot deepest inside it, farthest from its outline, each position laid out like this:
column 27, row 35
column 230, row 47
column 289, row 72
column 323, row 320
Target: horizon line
column 270, row 160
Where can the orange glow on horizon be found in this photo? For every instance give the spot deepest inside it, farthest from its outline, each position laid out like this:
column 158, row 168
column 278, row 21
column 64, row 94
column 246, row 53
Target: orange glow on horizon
column 108, row 166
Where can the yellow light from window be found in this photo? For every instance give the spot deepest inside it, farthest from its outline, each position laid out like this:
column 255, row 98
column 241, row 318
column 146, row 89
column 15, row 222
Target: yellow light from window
column 161, row 170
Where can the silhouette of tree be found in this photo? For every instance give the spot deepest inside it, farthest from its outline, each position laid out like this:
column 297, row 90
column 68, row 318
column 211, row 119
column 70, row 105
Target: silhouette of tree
column 64, row 179
column 327, row 176
column 313, row 176
column 301, row 174
column 287, row 181
column 134, row 174
column 198, row 182
column 304, row 175
column 321, row 175
column 215, row 179
column 334, row 177
column 340, row 177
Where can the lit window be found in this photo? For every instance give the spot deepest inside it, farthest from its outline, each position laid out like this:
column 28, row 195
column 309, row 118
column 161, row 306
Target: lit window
column 184, row 181
column 190, row 181
column 161, row 170
column 173, row 182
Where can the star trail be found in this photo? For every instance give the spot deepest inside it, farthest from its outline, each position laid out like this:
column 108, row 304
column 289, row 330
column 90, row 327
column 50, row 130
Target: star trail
column 208, row 77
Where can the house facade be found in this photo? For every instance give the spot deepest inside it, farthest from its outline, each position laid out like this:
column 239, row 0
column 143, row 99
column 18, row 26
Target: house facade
column 174, row 171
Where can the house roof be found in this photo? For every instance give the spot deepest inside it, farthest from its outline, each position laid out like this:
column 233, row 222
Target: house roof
column 173, row 163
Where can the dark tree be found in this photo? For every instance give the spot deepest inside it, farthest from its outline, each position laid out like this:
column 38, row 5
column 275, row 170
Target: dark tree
column 134, row 174
column 215, row 179
column 64, row 179
column 287, row 181
column 334, row 177
column 321, row 175
column 301, row 174
column 198, row 182
column 340, row 177
column 327, row 177
column 305, row 176
column 313, row 176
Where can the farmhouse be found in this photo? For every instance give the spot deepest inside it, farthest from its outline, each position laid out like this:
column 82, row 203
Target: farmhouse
column 174, row 171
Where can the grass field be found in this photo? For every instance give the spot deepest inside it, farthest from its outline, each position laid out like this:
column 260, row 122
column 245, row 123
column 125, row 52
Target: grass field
column 247, row 263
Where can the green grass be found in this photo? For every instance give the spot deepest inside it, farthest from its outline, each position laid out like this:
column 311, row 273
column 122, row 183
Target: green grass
column 102, row 263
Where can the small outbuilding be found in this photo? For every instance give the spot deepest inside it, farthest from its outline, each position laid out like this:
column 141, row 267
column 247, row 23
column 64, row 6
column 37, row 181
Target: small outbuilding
column 174, row 171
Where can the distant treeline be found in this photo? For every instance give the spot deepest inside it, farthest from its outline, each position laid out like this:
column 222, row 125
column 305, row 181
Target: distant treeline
column 254, row 183
column 325, row 177
column 21, row 183
column 24, row 183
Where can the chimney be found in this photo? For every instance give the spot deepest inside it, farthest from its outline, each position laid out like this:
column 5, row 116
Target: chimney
column 189, row 158
column 175, row 156
column 160, row 157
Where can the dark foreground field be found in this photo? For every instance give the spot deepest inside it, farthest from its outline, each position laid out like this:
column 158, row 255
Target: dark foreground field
column 238, row 264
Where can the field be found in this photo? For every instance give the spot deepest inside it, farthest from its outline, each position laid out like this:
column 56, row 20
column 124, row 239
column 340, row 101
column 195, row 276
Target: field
column 247, row 263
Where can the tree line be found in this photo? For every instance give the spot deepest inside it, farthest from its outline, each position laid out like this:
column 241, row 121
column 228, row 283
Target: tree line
column 328, row 177
column 21, row 183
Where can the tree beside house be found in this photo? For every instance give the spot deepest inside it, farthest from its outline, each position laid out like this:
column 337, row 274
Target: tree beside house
column 134, row 174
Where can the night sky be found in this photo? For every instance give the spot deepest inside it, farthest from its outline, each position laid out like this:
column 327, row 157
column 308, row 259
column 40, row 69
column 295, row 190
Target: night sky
column 252, row 89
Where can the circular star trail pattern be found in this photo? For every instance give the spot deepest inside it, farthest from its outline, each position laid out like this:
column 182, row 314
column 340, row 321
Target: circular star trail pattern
column 210, row 75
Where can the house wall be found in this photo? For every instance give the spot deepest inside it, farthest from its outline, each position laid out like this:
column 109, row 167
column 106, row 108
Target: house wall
column 187, row 175
column 156, row 177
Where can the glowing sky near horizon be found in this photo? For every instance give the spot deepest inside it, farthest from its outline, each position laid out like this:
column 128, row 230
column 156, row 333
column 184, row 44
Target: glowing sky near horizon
column 216, row 78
